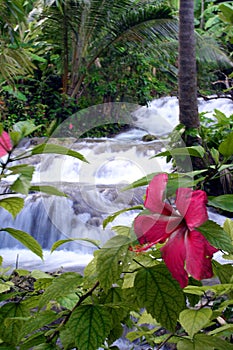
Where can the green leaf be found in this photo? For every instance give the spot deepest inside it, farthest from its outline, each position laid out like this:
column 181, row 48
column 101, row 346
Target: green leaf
column 11, row 333
column 218, row 289
column 61, row 286
column 215, row 155
column 194, row 151
column 112, row 259
column 122, row 230
column 174, row 180
column 12, row 204
column 194, row 320
column 48, row 189
column 216, row 236
column 27, row 240
column 15, row 137
column 5, row 286
column 56, row 149
column 224, row 202
column 224, row 273
column 144, row 181
column 36, row 57
column 112, row 217
column 160, row 294
column 69, row 301
column 227, row 11
column 226, row 330
column 17, row 94
column 90, row 326
column 204, row 341
column 23, row 182
column 38, row 321
column 25, row 128
column 226, row 147
column 146, row 318
column 57, row 244
column 45, row 346
column 228, row 228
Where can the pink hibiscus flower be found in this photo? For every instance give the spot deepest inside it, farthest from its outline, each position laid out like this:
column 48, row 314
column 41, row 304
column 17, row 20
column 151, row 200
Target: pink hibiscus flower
column 5, row 144
column 186, row 250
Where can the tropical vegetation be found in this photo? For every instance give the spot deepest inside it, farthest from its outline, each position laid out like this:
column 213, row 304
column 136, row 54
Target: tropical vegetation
column 59, row 57
column 157, row 281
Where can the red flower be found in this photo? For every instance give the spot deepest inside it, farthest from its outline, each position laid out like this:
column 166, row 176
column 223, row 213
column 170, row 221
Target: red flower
column 5, row 144
column 186, row 250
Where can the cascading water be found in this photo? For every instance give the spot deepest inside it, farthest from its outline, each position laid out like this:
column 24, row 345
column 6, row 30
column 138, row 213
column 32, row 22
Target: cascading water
column 93, row 190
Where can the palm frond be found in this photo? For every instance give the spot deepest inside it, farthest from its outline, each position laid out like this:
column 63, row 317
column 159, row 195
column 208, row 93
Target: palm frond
column 208, row 50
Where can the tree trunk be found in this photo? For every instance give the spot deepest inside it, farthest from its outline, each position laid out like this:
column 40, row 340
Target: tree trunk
column 187, row 66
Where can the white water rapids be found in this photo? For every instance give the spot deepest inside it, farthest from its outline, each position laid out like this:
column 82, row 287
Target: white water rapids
column 94, row 189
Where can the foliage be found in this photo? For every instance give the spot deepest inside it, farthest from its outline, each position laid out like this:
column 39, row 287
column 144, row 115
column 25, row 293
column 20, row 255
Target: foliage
column 123, row 286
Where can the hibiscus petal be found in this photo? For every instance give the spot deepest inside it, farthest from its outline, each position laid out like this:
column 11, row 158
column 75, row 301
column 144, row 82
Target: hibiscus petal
column 199, row 253
column 5, row 144
column 154, row 195
column 174, row 253
column 151, row 228
column 192, row 206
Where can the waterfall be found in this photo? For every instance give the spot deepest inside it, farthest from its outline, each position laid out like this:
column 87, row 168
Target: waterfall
column 94, row 189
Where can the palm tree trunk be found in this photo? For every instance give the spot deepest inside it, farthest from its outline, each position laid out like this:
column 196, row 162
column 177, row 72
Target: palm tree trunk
column 187, row 66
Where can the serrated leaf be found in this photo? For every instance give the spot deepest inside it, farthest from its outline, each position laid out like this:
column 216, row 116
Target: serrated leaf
column 11, row 332
column 112, row 259
column 112, row 217
column 57, row 244
column 49, row 190
column 194, row 320
column 216, row 236
column 57, row 149
column 226, row 147
column 61, row 286
column 224, row 202
column 13, row 205
column 90, row 326
column 27, row 240
column 160, row 294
